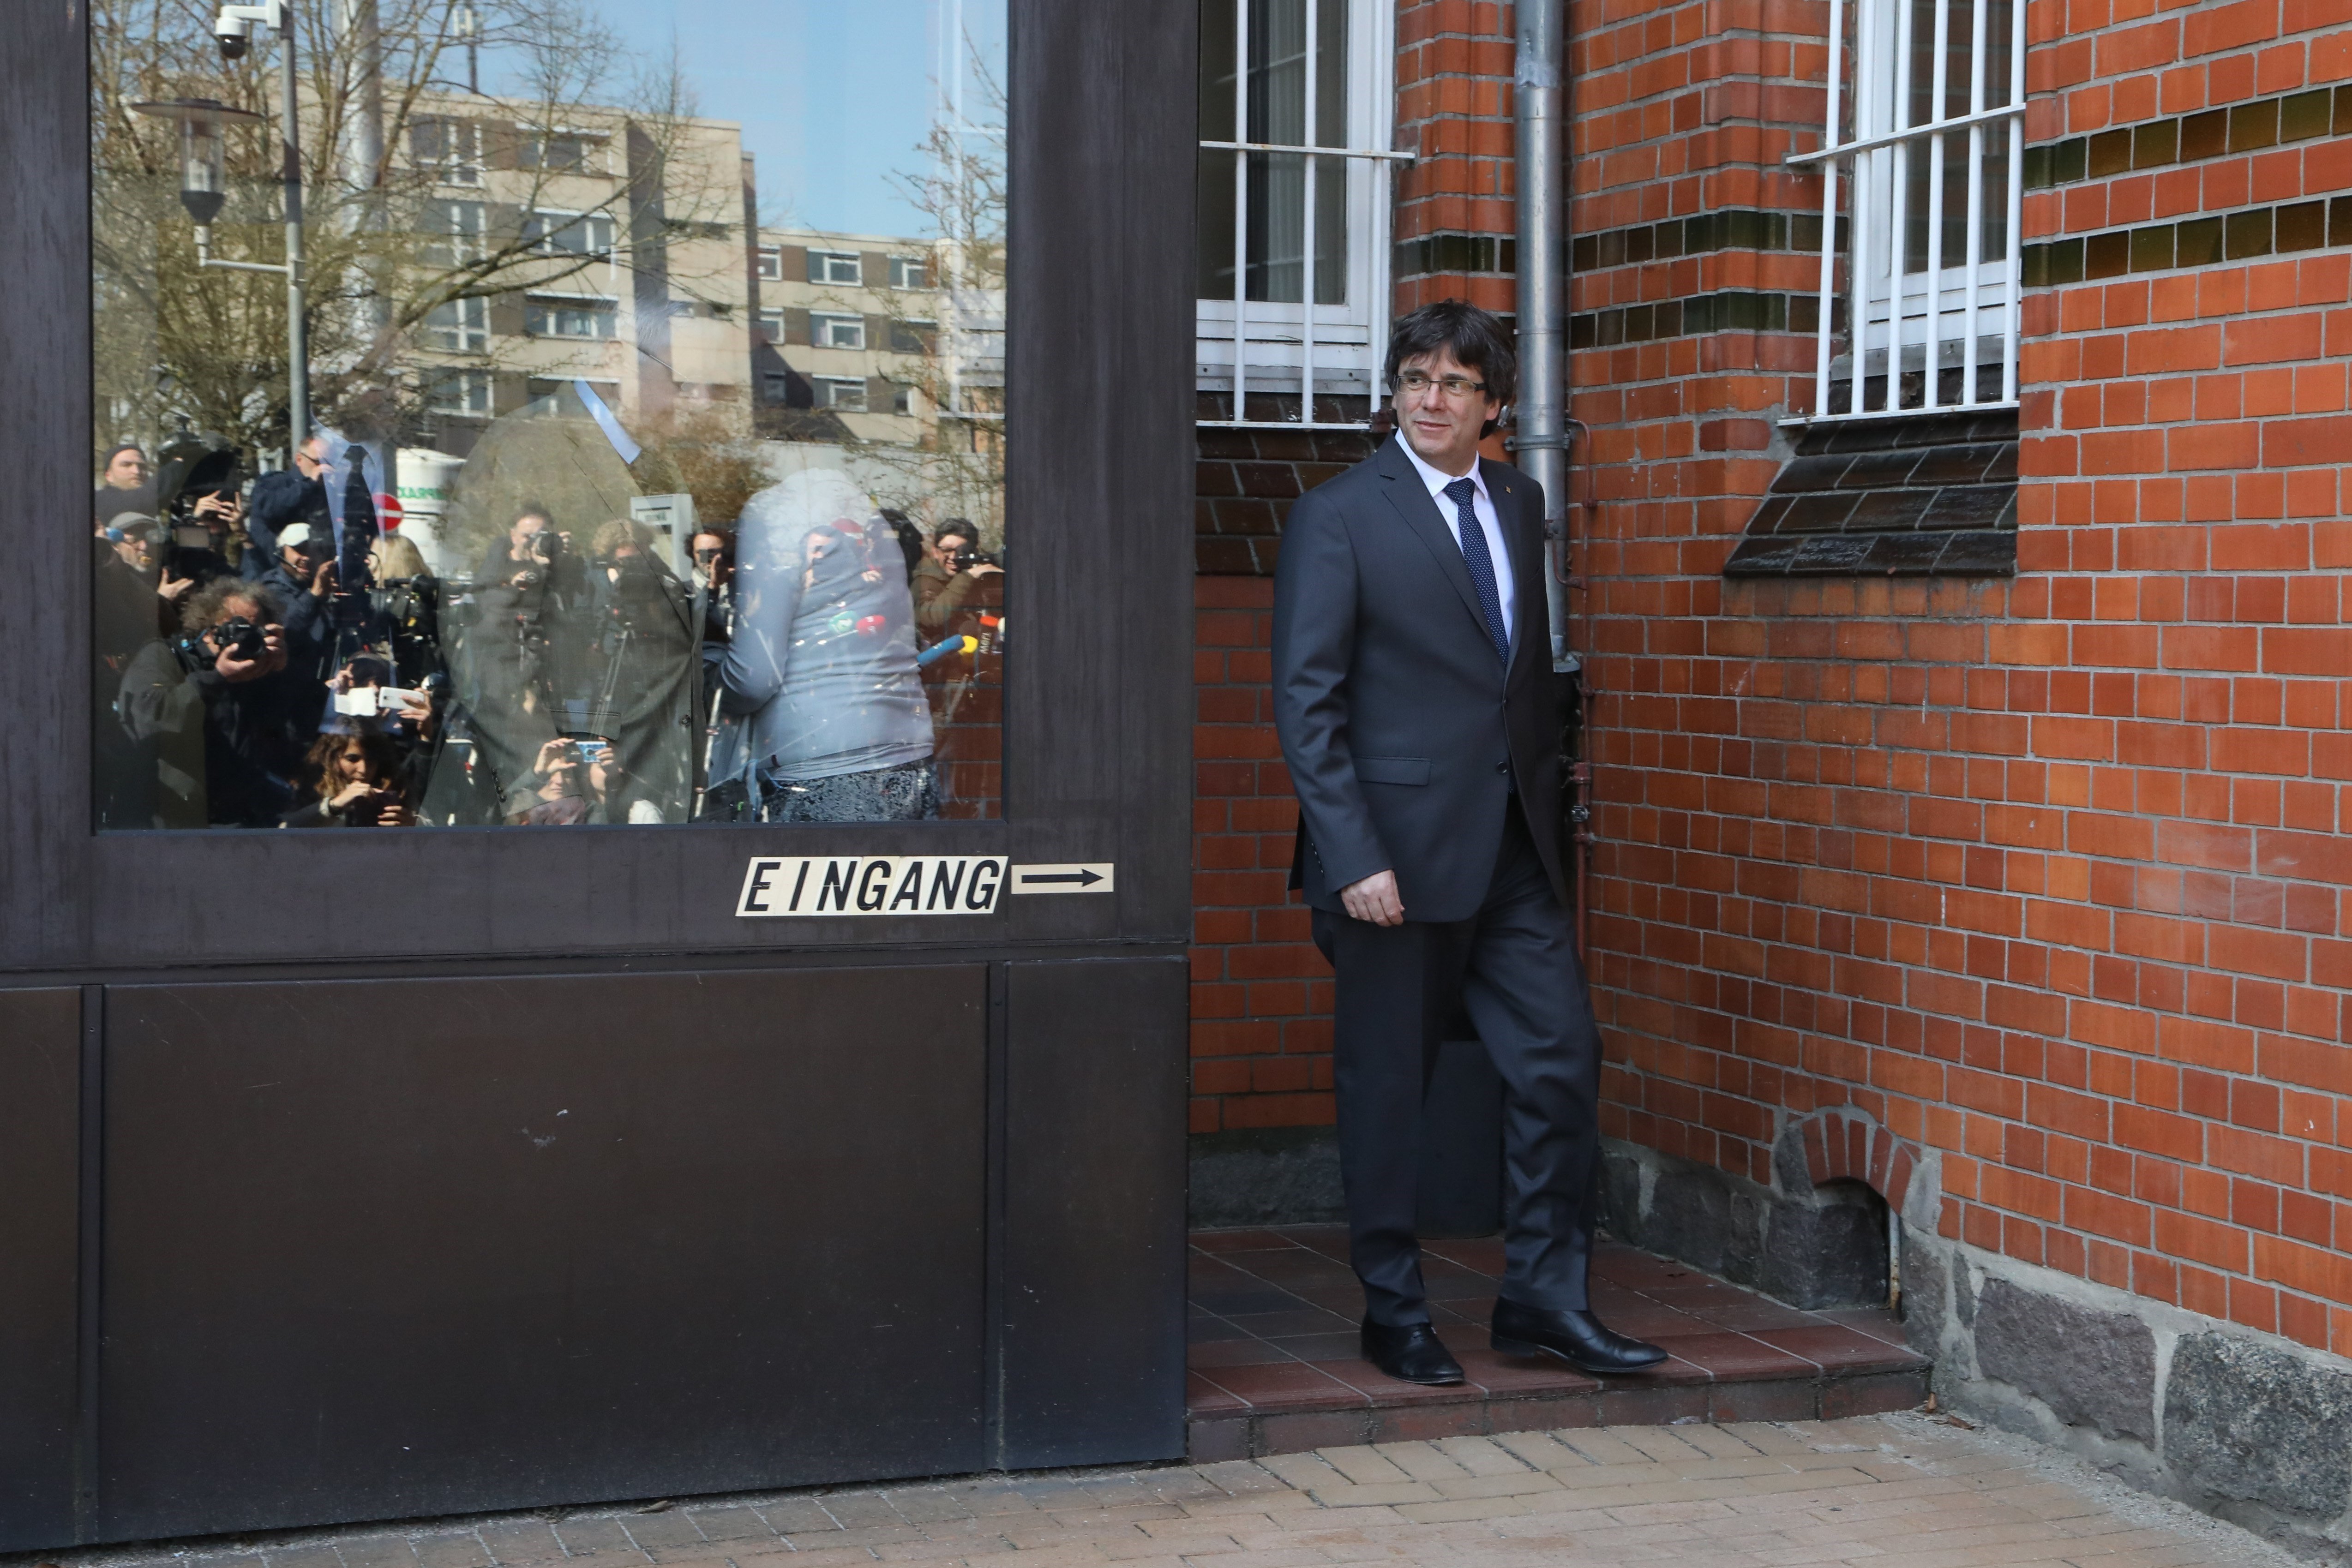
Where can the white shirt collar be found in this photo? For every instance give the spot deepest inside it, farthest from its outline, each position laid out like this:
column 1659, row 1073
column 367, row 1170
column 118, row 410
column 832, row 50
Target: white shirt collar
column 1437, row 479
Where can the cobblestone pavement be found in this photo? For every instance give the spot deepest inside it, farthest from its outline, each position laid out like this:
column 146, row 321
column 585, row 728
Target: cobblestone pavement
column 1901, row 1491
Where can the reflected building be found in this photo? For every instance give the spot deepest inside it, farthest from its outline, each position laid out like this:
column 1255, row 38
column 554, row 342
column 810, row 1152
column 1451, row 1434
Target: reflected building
column 617, row 243
column 884, row 355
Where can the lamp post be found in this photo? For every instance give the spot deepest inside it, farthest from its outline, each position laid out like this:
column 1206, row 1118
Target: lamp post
column 203, row 187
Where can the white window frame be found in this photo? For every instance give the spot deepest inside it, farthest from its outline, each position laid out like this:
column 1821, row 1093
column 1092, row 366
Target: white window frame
column 1945, row 316
column 459, row 162
column 530, row 156
column 821, row 269
column 538, row 234
column 536, row 306
column 473, row 400
column 771, row 325
column 772, row 263
column 458, row 226
column 1242, row 343
column 775, row 387
column 829, row 389
column 911, row 272
column 822, row 323
column 461, row 325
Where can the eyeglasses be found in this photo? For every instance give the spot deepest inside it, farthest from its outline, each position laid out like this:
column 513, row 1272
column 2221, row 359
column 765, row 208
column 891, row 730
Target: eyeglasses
column 1452, row 386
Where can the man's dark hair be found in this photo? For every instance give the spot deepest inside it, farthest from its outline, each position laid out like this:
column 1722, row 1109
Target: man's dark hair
column 1477, row 339
column 955, row 528
column 209, row 604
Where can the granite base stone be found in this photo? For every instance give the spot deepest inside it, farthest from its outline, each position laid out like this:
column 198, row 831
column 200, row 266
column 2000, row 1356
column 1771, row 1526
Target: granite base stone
column 1272, row 1176
column 1815, row 1249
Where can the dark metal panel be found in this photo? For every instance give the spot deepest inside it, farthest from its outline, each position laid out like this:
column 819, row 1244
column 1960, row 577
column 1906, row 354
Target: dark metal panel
column 40, row 1144
column 44, row 451
column 379, row 1249
column 1093, row 1255
column 1099, row 734
column 1099, row 433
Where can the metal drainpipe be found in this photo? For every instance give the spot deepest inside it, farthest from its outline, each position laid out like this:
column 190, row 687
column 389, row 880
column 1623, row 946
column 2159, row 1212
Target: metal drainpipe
column 1540, row 439
column 1540, row 442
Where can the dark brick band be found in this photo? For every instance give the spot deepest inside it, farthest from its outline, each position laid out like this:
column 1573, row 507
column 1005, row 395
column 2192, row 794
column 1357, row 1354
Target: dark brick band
column 2192, row 241
column 1732, row 228
column 1734, row 311
column 2192, row 138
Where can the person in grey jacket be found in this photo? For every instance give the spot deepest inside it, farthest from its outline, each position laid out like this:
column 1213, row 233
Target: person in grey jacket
column 827, row 710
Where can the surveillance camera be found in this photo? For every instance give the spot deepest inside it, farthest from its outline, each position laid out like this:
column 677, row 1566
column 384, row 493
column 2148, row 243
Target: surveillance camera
column 236, row 35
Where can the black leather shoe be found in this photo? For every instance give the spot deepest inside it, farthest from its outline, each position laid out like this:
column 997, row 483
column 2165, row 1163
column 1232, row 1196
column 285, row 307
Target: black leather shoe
column 1410, row 1354
column 1577, row 1338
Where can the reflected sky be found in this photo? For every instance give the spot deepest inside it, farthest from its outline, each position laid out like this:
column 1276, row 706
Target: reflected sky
column 832, row 97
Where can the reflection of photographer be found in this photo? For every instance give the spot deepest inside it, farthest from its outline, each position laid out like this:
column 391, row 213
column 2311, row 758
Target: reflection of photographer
column 352, row 781
column 646, row 643
column 954, row 579
column 200, row 486
column 288, row 496
column 227, row 722
column 303, row 581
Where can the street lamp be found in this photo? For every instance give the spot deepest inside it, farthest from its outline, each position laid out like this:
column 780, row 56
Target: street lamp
column 204, row 188
column 204, row 183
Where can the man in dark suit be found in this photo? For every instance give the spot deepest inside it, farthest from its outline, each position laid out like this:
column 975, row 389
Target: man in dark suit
column 1414, row 693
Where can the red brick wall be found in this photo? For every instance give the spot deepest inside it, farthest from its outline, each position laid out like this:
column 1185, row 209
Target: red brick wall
column 1454, row 110
column 2045, row 877
column 1261, row 993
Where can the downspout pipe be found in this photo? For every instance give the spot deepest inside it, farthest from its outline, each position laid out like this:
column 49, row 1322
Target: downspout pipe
column 1540, row 440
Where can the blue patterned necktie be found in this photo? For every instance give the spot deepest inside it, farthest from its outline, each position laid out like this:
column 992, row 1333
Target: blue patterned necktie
column 1481, row 564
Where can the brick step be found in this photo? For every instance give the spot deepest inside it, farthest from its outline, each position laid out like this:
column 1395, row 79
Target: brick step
column 1274, row 1368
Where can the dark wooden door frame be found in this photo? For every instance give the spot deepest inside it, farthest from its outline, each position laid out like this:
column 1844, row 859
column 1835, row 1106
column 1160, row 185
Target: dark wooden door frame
column 1084, row 1016
column 1097, row 730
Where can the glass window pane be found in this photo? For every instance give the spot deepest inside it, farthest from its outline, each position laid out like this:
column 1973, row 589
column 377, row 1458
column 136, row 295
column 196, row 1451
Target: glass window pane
column 641, row 457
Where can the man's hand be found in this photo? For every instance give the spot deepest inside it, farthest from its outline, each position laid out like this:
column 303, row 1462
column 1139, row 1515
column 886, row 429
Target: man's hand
column 322, row 579
column 1374, row 899
column 225, row 510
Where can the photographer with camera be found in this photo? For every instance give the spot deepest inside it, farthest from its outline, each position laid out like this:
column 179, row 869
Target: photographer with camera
column 303, row 579
column 200, row 485
column 647, row 648
column 527, row 650
column 352, row 781
column 228, row 723
column 283, row 498
column 407, row 610
column 953, row 578
column 554, row 792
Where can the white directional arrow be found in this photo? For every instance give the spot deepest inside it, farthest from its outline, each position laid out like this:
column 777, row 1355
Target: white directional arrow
column 1083, row 877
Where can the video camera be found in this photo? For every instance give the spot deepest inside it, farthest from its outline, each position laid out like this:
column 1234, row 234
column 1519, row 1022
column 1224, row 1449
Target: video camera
column 193, row 468
column 968, row 555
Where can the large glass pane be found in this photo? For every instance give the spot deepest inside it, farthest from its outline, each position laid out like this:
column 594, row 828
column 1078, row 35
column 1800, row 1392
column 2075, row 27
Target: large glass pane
column 631, row 453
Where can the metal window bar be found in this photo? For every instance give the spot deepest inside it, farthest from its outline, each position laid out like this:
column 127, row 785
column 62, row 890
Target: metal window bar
column 1310, row 157
column 1878, row 187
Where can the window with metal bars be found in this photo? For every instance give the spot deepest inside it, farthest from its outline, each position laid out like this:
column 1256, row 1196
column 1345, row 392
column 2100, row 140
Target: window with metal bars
column 1926, row 108
column 1296, row 109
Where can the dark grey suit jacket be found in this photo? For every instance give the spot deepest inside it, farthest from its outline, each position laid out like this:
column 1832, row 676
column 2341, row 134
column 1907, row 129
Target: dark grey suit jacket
column 1402, row 731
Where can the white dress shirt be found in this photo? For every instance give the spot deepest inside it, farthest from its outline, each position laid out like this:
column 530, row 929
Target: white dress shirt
column 1483, row 506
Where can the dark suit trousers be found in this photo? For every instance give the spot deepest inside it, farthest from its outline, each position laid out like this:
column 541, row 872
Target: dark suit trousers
column 1512, row 967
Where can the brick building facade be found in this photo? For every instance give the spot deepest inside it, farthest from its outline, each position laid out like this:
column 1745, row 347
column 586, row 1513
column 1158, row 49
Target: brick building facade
column 2036, row 884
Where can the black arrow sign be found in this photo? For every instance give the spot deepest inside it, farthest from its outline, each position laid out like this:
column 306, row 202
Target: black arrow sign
column 1083, row 878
